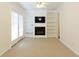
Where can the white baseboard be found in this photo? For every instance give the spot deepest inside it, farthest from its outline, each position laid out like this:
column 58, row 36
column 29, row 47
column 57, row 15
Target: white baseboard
column 15, row 41
column 5, row 51
column 69, row 47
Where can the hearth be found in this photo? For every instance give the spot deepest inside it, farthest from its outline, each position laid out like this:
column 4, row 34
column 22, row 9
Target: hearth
column 39, row 30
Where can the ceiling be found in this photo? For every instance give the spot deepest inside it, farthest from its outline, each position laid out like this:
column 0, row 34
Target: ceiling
column 48, row 5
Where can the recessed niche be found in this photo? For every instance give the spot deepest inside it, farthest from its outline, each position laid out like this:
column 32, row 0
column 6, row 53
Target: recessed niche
column 39, row 19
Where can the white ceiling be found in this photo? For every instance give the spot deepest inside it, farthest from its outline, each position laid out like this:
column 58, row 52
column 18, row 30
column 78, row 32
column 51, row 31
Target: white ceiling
column 32, row 5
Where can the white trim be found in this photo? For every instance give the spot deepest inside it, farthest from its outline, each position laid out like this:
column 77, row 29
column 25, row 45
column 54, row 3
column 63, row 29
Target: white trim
column 5, row 51
column 16, row 40
column 69, row 47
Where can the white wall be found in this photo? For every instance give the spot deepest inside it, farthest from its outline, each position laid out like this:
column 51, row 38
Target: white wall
column 69, row 26
column 4, row 28
column 29, row 22
column 5, row 24
column 51, row 17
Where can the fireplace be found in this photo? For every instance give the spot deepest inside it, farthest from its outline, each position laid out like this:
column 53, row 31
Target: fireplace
column 39, row 30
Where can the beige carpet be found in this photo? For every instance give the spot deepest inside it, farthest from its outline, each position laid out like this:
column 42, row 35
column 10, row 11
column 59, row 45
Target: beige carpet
column 39, row 47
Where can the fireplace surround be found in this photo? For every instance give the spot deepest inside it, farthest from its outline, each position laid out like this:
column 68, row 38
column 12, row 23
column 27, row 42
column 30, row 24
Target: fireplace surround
column 40, row 26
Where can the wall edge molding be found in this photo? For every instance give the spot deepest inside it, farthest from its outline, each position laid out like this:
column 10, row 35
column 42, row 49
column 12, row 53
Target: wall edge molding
column 69, row 47
column 5, row 51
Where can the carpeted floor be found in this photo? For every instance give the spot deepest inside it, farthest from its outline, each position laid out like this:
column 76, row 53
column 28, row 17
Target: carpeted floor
column 39, row 47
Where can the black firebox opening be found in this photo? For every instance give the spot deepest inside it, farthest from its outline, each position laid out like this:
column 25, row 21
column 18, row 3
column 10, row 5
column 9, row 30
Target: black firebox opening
column 39, row 30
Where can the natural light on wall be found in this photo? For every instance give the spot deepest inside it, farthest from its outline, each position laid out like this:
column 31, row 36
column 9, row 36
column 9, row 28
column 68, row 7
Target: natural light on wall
column 20, row 25
column 16, row 25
